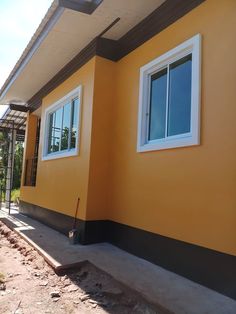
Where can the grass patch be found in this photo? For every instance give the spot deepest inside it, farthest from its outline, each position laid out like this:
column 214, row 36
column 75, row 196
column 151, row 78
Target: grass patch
column 15, row 195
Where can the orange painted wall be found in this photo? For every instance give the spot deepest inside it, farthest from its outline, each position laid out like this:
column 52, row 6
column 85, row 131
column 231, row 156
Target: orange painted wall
column 184, row 193
column 61, row 181
column 102, row 124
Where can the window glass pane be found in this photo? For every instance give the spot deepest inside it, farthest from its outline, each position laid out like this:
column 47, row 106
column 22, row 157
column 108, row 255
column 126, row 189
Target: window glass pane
column 179, row 115
column 66, row 126
column 157, row 116
column 55, row 131
column 74, row 124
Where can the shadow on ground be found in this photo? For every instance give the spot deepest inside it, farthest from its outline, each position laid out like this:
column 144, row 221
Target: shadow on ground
column 86, row 283
column 47, row 239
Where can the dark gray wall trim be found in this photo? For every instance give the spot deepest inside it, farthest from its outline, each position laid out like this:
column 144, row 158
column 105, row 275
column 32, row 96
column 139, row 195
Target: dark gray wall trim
column 92, row 232
column 213, row 269
column 102, row 47
column 18, row 107
column 210, row 268
column 165, row 15
column 77, row 62
column 108, row 48
column 80, row 5
column 169, row 12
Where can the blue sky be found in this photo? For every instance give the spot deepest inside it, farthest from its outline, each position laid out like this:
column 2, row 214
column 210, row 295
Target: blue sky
column 19, row 20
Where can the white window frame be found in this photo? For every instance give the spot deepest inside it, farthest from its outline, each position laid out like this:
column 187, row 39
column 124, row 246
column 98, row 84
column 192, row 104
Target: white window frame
column 77, row 92
column 193, row 46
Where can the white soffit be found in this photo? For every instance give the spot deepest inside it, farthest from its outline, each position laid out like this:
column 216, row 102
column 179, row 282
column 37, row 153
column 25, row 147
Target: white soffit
column 71, row 32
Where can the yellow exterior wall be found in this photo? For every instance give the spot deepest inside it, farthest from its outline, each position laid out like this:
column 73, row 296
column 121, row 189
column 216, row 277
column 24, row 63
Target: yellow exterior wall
column 99, row 177
column 61, row 181
column 184, row 193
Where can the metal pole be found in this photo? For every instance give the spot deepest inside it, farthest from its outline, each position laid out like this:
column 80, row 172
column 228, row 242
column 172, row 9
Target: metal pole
column 10, row 165
column 0, row 196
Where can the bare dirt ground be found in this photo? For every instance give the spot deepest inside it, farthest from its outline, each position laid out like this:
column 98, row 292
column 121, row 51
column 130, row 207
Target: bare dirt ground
column 29, row 285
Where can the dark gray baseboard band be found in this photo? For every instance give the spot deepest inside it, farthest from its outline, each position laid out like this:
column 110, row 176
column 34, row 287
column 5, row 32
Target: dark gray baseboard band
column 89, row 232
column 210, row 268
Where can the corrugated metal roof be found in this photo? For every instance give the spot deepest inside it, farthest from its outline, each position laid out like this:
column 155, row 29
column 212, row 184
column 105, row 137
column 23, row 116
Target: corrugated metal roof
column 15, row 117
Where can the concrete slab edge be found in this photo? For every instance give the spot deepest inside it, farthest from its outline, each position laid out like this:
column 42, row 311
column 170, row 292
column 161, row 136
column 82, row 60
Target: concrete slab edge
column 57, row 267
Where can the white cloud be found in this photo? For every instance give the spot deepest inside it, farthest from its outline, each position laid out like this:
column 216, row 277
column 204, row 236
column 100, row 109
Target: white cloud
column 19, row 20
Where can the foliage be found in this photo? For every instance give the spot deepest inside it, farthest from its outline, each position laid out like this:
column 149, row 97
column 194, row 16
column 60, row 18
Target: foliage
column 65, row 135
column 15, row 195
column 17, row 165
column 18, row 159
column 3, row 157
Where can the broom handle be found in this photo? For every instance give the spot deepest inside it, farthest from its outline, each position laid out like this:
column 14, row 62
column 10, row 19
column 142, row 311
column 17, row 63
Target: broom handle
column 77, row 207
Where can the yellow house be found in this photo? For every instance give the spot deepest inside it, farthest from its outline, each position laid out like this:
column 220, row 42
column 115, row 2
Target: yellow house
column 131, row 108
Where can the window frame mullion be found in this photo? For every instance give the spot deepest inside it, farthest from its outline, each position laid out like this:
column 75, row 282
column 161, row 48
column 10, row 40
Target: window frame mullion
column 54, row 136
column 148, row 107
column 62, row 118
column 71, row 123
column 167, row 99
column 49, row 133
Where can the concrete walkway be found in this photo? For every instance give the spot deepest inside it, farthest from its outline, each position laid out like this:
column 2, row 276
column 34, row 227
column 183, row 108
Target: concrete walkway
column 159, row 286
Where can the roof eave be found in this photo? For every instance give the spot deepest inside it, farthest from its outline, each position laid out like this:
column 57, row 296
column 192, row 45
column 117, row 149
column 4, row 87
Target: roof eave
column 53, row 14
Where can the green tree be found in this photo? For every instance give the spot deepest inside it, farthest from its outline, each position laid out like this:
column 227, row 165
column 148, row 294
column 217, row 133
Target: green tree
column 18, row 160
column 3, row 157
